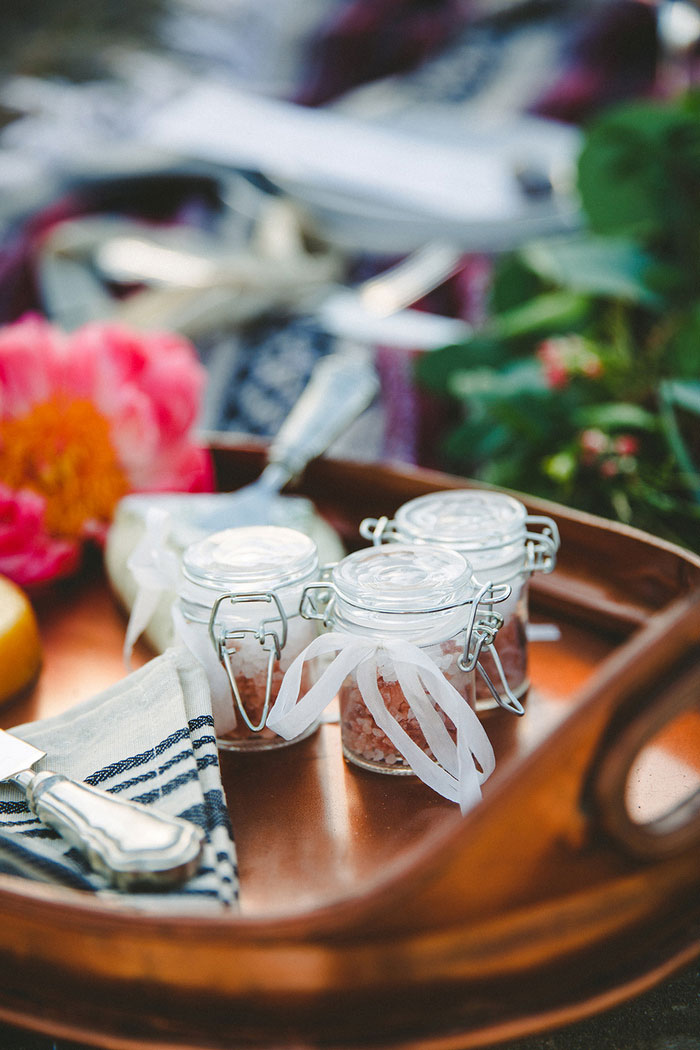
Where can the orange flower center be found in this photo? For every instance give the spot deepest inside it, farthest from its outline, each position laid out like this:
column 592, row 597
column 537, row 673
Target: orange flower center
column 62, row 450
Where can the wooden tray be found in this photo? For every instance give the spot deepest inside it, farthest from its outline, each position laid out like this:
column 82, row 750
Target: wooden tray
column 373, row 915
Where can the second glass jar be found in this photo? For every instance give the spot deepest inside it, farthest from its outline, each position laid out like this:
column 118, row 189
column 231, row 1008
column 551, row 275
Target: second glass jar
column 414, row 594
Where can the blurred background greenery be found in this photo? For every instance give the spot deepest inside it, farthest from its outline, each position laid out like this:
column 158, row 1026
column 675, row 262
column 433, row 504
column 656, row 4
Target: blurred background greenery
column 583, row 385
column 581, row 381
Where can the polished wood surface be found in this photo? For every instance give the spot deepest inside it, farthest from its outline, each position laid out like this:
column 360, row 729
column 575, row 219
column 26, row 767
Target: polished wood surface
column 372, row 913
column 333, row 830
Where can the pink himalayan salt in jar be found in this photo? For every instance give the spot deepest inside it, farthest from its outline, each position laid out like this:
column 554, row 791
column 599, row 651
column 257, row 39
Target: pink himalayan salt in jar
column 238, row 611
column 365, row 744
column 413, row 594
column 494, row 532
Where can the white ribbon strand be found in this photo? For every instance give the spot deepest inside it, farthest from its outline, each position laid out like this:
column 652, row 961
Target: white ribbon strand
column 156, row 569
column 459, row 767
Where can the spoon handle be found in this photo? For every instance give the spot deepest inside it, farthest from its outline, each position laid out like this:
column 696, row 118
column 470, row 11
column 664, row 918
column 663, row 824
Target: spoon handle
column 341, row 386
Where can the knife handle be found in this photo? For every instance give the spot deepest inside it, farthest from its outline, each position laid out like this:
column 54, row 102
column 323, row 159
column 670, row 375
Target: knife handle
column 133, row 846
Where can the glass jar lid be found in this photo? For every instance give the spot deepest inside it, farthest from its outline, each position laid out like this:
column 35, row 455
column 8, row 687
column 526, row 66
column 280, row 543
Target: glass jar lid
column 250, row 558
column 469, row 520
column 404, row 578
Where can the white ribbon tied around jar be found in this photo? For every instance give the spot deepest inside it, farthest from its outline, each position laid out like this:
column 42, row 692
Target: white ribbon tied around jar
column 454, row 772
column 155, row 568
column 157, row 572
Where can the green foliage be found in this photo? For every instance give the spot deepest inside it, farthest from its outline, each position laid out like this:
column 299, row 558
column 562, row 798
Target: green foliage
column 584, row 384
column 613, row 267
column 638, row 175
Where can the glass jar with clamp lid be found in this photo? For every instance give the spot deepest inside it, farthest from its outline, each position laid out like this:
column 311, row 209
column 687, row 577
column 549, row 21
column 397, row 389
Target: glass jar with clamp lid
column 496, row 534
column 238, row 611
column 406, row 626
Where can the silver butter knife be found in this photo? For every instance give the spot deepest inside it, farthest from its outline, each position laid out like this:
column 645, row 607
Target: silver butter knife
column 132, row 845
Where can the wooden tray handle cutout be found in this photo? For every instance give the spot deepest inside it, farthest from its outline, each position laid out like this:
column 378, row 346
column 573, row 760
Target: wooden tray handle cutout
column 651, row 816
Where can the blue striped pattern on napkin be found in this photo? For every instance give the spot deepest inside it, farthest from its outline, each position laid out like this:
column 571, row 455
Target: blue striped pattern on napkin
column 151, row 739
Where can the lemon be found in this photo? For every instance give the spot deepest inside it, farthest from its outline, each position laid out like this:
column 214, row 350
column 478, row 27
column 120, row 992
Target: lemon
column 20, row 643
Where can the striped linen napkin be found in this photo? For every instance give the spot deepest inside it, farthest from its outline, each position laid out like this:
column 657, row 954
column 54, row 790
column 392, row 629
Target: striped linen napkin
column 149, row 738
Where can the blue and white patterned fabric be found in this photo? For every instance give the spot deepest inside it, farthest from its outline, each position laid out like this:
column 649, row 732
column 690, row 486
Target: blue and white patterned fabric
column 149, row 738
column 267, row 367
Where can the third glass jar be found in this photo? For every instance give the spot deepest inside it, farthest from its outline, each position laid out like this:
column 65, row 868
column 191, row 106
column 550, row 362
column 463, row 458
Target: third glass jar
column 496, row 534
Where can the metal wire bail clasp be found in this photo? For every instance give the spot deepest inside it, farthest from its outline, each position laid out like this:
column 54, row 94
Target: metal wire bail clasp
column 378, row 530
column 317, row 600
column 480, row 633
column 541, row 547
column 272, row 641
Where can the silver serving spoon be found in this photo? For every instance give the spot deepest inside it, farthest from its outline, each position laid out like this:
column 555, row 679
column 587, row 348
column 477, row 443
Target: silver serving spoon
column 341, row 387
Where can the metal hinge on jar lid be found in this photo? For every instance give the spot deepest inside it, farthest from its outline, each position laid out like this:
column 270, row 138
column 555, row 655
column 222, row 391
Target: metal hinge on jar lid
column 317, row 598
column 317, row 602
column 269, row 639
column 541, row 547
column 378, row 530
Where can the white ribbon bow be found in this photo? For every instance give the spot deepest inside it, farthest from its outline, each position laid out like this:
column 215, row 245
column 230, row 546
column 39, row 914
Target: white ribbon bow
column 453, row 773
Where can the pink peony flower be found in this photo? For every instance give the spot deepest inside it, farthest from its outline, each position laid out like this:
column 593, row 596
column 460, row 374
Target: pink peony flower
column 29, row 359
column 28, row 554
column 84, row 419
